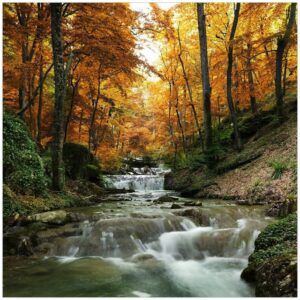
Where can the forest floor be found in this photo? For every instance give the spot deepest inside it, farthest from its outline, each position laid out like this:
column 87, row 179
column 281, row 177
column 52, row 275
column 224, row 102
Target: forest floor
column 264, row 172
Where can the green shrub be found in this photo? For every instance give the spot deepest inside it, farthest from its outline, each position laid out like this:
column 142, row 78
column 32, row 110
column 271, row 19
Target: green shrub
column 192, row 160
column 224, row 135
column 279, row 166
column 23, row 167
column 214, row 154
column 10, row 203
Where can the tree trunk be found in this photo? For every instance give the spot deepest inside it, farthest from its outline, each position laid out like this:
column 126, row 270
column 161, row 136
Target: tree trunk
column 22, row 93
column 178, row 116
column 281, row 45
column 40, row 108
column 190, row 94
column 285, row 72
column 22, row 85
column 229, row 79
column 205, row 77
column 68, row 120
column 169, row 115
column 251, row 81
column 80, row 125
column 60, row 91
column 94, row 110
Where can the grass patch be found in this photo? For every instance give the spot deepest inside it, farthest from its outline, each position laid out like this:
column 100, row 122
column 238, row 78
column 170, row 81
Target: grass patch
column 279, row 167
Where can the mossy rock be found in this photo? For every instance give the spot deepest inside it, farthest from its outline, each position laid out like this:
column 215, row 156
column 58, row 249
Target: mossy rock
column 197, row 186
column 278, row 277
column 177, row 180
column 273, row 264
column 277, row 233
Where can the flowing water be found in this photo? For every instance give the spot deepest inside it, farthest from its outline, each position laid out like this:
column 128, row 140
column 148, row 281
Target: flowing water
column 138, row 249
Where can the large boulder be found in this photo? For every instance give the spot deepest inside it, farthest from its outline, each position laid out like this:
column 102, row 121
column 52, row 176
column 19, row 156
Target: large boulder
column 178, row 180
column 51, row 217
column 278, row 277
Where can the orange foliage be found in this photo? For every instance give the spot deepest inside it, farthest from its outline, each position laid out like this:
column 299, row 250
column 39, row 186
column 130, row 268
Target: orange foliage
column 135, row 114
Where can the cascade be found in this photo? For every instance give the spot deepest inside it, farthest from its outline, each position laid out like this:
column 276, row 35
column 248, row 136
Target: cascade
column 144, row 179
column 140, row 248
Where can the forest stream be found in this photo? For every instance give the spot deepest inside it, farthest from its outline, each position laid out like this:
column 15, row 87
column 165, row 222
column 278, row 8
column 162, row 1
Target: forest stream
column 142, row 248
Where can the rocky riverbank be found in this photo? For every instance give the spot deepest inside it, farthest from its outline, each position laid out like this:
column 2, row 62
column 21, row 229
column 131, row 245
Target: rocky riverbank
column 273, row 264
column 263, row 173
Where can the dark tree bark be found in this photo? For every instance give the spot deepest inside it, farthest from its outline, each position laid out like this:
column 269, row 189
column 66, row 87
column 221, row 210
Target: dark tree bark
column 285, row 71
column 251, row 81
column 94, row 110
column 281, row 45
column 40, row 107
column 60, row 91
column 237, row 139
column 80, row 125
column 205, row 77
column 36, row 92
column 22, row 18
column 68, row 119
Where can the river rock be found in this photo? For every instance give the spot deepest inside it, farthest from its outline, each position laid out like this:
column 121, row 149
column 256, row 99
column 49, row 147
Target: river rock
column 243, row 202
column 142, row 257
column 195, row 215
column 192, row 203
column 52, row 217
column 281, row 209
column 25, row 247
column 277, row 277
column 119, row 191
column 164, row 199
column 175, row 206
column 73, row 217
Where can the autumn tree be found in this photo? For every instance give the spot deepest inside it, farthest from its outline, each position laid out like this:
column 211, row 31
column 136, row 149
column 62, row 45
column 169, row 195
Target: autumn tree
column 115, row 103
column 229, row 78
column 205, row 76
column 60, row 91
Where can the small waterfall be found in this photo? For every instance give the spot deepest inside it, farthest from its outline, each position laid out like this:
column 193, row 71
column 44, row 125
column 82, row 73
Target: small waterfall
column 199, row 242
column 145, row 179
